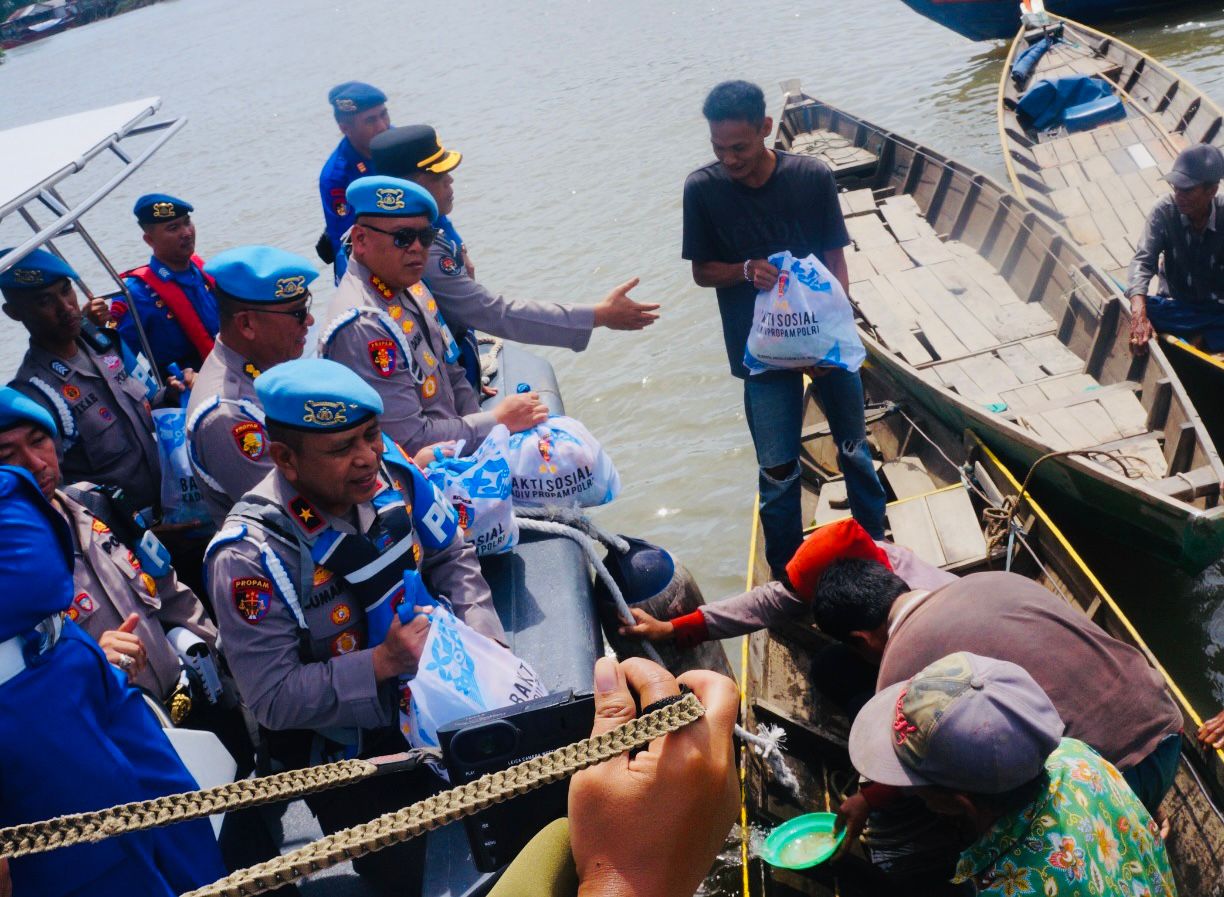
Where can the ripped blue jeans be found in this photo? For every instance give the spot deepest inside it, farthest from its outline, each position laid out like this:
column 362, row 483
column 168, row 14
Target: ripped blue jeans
column 773, row 403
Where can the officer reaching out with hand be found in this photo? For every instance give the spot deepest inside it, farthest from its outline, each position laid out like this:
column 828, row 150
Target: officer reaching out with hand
column 414, row 153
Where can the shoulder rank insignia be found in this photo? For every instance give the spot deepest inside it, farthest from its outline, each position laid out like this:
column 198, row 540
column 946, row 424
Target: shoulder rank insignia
column 251, row 371
column 60, row 369
column 250, row 438
column 252, row 598
column 149, row 583
column 382, row 356
column 306, row 515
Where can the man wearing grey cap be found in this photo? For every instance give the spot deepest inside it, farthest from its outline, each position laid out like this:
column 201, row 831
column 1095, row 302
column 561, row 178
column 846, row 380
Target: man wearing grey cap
column 979, row 741
column 1184, row 245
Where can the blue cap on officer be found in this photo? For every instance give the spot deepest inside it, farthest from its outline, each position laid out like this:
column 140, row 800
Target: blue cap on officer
column 16, row 408
column 158, row 208
column 261, row 274
column 317, row 396
column 354, row 96
column 390, row 198
column 36, row 576
column 37, row 269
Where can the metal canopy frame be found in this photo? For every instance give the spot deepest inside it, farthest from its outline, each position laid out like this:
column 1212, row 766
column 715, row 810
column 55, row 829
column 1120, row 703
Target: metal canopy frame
column 66, row 216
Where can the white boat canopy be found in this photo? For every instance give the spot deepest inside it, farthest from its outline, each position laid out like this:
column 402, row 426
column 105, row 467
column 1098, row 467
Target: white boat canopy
column 40, row 156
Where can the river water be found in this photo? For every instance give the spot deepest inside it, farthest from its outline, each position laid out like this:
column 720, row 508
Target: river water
column 578, row 122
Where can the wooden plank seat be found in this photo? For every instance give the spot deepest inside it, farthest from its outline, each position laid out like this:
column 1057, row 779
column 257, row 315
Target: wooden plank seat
column 940, row 527
column 842, row 156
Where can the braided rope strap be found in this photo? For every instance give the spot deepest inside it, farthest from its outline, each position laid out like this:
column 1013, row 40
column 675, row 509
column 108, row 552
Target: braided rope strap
column 455, row 804
column 65, row 831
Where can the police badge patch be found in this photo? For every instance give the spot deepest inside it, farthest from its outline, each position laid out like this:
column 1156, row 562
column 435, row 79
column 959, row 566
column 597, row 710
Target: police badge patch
column 382, row 356
column 252, row 598
column 448, row 265
column 345, row 643
column 70, row 392
column 250, row 438
column 430, row 387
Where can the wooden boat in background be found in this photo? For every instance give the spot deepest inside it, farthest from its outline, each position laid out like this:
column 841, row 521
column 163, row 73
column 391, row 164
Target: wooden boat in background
column 992, row 320
column 1099, row 184
column 940, row 485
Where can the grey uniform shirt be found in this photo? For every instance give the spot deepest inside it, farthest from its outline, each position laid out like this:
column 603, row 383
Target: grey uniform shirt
column 228, row 445
column 469, row 305
column 115, row 445
column 336, row 686
column 108, row 584
column 1193, row 264
column 396, row 345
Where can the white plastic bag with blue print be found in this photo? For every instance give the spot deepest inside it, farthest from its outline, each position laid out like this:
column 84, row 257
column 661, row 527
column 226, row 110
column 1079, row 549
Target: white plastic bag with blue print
column 460, row 672
column 559, row 463
column 181, row 499
column 804, row 321
column 478, row 488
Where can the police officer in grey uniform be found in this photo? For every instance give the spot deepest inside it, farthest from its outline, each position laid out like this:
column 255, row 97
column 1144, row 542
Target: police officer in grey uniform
column 413, row 152
column 126, row 609
column 386, row 326
column 264, row 300
column 81, row 375
column 325, row 535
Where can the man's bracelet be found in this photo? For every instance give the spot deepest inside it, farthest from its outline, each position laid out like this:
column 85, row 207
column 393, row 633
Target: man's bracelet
column 747, row 276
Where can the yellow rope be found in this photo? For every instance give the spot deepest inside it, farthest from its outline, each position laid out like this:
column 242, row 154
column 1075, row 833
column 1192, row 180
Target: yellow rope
column 455, row 804
column 65, row 831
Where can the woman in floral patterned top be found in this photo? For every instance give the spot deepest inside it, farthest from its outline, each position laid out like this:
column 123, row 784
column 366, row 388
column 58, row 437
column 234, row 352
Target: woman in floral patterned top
column 977, row 738
column 1085, row 834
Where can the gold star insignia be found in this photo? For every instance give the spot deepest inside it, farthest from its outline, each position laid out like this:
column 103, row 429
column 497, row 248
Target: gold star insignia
column 305, row 515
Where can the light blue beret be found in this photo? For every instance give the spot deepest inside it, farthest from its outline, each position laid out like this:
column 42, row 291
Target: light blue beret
column 390, row 198
column 35, row 270
column 316, row 395
column 261, row 274
column 16, row 408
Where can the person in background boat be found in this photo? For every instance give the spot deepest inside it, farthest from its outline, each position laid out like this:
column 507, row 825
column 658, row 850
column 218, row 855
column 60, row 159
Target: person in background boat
column 669, row 806
column 171, row 295
column 414, row 153
column 1106, row 691
column 326, row 534
column 263, row 296
column 982, row 745
column 77, row 371
column 791, row 597
column 73, row 736
column 750, row 203
column 386, row 326
column 1183, row 243
column 361, row 113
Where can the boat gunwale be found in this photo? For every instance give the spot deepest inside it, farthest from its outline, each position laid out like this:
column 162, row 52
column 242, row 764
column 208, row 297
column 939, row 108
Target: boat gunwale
column 1015, row 205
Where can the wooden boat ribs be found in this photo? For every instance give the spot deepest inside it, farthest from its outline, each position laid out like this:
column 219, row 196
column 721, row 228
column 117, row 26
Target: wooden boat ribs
column 986, row 310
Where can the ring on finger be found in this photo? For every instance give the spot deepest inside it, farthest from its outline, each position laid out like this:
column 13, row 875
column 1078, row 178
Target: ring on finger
column 125, row 662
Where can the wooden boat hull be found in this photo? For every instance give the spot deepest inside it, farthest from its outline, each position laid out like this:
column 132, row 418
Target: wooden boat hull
column 1001, row 277
column 1165, row 112
column 777, row 662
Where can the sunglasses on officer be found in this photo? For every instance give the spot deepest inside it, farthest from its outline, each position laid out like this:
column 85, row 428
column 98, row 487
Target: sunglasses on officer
column 300, row 314
column 406, row 236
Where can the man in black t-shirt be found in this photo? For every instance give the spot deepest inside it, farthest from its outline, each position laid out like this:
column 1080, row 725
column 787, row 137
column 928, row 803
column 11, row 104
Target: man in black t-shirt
column 738, row 210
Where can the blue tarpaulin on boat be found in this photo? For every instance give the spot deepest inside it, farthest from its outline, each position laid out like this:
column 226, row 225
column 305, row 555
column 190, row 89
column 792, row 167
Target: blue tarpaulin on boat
column 1077, row 102
column 1023, row 67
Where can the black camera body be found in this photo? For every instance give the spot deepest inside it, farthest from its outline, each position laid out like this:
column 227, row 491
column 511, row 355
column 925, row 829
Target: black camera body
column 499, row 739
